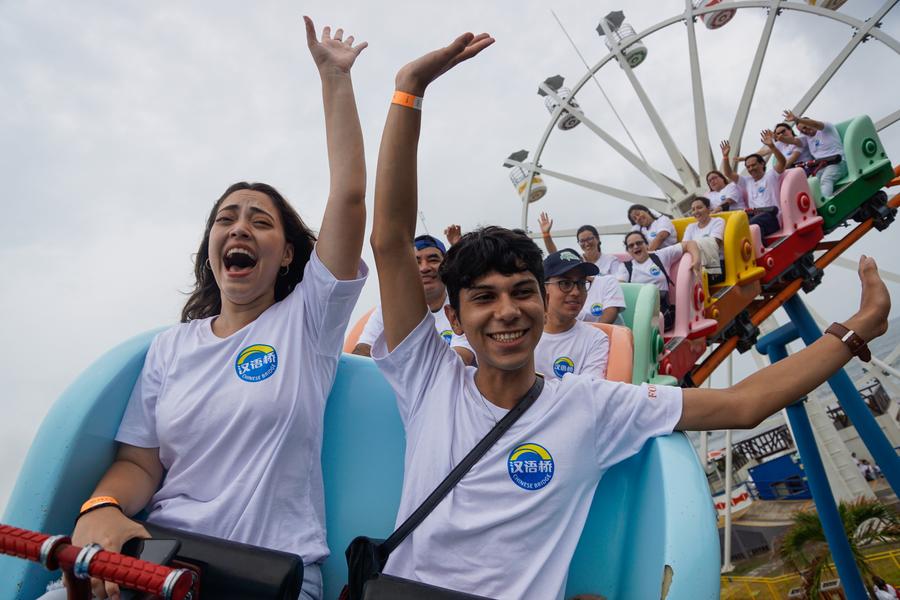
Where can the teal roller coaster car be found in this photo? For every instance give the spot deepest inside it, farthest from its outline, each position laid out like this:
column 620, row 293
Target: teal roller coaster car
column 859, row 193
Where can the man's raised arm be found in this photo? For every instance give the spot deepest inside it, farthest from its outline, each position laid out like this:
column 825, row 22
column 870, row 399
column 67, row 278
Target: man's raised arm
column 749, row 402
column 394, row 225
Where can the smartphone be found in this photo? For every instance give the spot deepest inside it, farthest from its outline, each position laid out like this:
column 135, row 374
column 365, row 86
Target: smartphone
column 151, row 550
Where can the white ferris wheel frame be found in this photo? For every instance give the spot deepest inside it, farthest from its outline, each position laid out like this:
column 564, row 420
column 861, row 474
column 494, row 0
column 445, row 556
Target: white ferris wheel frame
column 677, row 193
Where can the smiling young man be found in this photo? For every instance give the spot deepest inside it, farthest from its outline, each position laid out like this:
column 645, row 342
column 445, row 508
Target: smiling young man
column 568, row 345
column 509, row 528
column 430, row 253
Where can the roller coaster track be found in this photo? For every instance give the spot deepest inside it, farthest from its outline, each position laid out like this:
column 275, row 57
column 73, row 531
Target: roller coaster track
column 764, row 310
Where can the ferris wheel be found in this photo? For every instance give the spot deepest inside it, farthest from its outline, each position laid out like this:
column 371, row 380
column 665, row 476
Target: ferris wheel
column 628, row 49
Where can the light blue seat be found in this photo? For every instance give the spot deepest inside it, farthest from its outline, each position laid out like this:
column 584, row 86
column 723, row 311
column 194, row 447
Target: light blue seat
column 651, row 511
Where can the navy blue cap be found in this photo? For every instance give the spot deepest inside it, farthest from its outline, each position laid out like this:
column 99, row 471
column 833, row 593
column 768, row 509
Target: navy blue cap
column 563, row 261
column 426, row 241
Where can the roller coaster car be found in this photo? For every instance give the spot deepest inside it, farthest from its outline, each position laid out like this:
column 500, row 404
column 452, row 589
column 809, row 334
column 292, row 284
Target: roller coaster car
column 651, row 516
column 685, row 342
column 787, row 253
column 859, row 195
column 641, row 316
column 740, row 286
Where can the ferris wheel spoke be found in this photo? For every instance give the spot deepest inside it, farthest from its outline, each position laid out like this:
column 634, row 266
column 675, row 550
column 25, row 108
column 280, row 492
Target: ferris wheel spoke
column 666, row 185
column 660, row 204
column 888, row 120
column 858, row 37
column 704, row 149
column 685, row 171
column 740, row 119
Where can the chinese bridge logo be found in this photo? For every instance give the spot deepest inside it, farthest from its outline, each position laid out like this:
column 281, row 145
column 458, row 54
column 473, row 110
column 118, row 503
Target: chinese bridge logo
column 257, row 362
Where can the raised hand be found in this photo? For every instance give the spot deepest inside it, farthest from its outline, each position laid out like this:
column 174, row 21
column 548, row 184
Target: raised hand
column 545, row 223
column 453, row 233
column 414, row 77
column 725, row 147
column 767, row 137
column 332, row 54
column 870, row 321
column 789, row 116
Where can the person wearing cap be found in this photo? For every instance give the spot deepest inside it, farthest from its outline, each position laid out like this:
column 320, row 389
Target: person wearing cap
column 430, row 253
column 569, row 345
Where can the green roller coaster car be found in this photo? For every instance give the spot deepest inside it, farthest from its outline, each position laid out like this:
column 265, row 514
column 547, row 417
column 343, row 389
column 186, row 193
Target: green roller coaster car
column 641, row 315
column 859, row 194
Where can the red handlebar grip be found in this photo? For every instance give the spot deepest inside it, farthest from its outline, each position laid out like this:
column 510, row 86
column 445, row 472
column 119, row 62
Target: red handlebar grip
column 165, row 582
column 21, row 542
column 130, row 572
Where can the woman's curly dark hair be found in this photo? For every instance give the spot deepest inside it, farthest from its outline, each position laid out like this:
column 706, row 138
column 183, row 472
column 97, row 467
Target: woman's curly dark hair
column 205, row 299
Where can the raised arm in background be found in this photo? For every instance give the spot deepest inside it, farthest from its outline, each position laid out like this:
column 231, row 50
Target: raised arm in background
column 343, row 225
column 768, row 139
column 546, row 224
column 727, row 171
column 790, row 117
column 394, row 224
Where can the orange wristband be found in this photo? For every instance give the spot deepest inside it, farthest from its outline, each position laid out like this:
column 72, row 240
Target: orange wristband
column 407, row 100
column 99, row 502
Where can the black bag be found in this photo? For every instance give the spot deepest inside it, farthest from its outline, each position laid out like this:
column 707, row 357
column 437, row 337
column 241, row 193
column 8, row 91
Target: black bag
column 235, row 571
column 366, row 557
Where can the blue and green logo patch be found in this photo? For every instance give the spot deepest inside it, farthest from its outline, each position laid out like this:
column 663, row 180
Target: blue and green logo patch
column 530, row 466
column 255, row 363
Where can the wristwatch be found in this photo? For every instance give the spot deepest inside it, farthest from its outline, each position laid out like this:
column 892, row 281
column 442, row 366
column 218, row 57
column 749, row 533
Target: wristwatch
column 857, row 345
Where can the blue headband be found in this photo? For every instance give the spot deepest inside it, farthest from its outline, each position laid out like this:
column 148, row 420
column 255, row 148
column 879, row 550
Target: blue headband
column 426, row 241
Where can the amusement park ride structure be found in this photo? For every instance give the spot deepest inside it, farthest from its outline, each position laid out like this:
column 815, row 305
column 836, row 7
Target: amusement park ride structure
column 787, row 260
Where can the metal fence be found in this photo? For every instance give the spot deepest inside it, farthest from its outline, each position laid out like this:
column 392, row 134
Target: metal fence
column 885, row 564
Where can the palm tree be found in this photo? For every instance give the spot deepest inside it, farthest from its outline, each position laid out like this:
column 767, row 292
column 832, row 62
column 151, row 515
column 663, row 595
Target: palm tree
column 805, row 549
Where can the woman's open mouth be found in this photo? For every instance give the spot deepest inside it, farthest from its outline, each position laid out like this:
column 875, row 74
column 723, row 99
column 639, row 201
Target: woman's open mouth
column 239, row 260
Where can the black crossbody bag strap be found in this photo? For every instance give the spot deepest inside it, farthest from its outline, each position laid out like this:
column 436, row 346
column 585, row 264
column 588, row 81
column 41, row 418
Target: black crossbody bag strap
column 659, row 264
column 657, row 260
column 413, row 521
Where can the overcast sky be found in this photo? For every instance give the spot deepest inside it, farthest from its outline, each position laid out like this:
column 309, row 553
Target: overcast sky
column 121, row 123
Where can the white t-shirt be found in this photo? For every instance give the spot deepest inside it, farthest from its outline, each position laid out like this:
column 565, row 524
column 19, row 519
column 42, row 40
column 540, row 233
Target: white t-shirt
column 607, row 263
column 826, row 142
column 238, row 420
column 375, row 327
column 605, row 292
column 730, row 191
column 888, row 594
column 715, row 228
column 660, row 224
column 509, row 528
column 764, row 192
column 581, row 349
column 648, row 272
column 788, row 149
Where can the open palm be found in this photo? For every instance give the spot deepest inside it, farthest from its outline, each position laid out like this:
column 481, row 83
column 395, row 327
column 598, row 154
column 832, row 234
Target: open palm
column 415, row 76
column 332, row 52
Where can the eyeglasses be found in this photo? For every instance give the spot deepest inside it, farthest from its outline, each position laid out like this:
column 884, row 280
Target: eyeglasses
column 567, row 285
column 636, row 244
column 586, row 240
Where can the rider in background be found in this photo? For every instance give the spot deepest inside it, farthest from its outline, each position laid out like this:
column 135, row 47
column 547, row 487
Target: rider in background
column 824, row 142
column 724, row 195
column 659, row 230
column 568, row 344
column 762, row 186
column 589, row 242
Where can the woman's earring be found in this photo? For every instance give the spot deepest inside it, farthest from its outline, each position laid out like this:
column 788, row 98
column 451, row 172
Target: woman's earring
column 286, row 270
column 207, row 265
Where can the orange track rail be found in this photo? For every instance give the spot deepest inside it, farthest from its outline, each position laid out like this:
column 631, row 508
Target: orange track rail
column 718, row 356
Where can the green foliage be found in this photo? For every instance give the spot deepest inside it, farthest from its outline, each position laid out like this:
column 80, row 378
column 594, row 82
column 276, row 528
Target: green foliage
column 805, row 549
